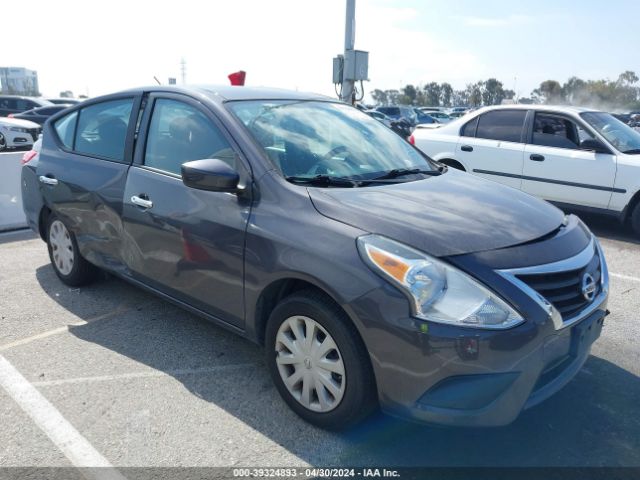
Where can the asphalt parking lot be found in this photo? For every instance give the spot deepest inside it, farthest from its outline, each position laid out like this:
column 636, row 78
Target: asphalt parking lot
column 147, row 384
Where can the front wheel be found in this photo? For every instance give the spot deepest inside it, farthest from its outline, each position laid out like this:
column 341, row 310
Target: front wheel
column 69, row 265
column 3, row 142
column 318, row 362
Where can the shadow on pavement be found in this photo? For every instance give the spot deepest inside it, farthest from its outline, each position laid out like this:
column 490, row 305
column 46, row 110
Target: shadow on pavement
column 594, row 421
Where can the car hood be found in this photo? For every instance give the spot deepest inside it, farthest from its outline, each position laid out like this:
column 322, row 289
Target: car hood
column 452, row 214
column 16, row 122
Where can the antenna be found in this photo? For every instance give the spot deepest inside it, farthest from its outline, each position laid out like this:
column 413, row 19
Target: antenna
column 183, row 70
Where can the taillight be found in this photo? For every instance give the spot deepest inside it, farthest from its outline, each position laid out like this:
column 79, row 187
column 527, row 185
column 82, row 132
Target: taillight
column 10, row 115
column 28, row 156
column 412, row 140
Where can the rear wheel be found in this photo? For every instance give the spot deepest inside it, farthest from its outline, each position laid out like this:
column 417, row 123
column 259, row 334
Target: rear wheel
column 318, row 362
column 67, row 262
column 635, row 219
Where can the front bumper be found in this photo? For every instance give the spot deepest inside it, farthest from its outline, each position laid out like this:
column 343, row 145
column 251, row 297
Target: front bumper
column 495, row 399
column 458, row 376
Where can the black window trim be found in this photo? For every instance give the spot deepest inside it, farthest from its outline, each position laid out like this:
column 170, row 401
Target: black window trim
column 128, row 149
column 145, row 122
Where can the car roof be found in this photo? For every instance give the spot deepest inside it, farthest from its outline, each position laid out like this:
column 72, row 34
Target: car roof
column 229, row 93
column 538, row 107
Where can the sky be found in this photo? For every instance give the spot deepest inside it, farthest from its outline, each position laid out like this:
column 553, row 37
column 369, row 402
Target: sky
column 97, row 47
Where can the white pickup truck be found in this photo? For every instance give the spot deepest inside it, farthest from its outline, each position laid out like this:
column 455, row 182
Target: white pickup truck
column 576, row 158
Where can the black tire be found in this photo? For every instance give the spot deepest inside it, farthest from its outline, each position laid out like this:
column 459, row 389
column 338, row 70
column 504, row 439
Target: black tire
column 359, row 399
column 82, row 272
column 635, row 220
column 3, row 142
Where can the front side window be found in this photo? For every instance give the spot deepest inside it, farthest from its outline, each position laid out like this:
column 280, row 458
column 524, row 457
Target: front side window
column 309, row 138
column 65, row 127
column 179, row 133
column 503, row 125
column 102, row 129
column 555, row 131
column 621, row 136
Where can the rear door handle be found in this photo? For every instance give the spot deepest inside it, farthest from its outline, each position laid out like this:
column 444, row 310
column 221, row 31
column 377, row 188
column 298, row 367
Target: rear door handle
column 141, row 202
column 48, row 180
column 466, row 148
column 536, row 158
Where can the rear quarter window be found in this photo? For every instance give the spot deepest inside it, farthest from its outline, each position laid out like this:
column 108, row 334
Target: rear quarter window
column 65, row 128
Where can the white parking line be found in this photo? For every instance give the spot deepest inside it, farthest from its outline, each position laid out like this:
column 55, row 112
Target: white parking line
column 149, row 374
column 74, row 446
column 55, row 331
column 625, row 277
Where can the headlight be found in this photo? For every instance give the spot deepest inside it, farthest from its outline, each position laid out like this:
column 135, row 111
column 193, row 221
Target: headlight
column 18, row 129
column 439, row 292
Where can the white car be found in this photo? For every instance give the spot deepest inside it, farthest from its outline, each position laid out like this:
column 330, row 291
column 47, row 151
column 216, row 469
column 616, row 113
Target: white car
column 17, row 133
column 573, row 157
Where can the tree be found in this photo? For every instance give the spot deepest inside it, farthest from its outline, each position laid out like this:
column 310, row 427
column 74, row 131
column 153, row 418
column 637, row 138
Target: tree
column 432, row 94
column 550, row 91
column 492, row 92
column 474, row 93
column 410, row 94
column 446, row 94
column 380, row 97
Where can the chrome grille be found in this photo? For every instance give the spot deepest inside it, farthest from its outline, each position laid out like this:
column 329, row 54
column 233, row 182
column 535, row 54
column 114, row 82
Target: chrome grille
column 564, row 289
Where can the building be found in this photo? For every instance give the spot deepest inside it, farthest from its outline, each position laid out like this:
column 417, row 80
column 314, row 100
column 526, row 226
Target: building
column 19, row 81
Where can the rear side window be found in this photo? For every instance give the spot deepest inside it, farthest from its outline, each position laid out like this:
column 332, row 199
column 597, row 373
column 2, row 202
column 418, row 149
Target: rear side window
column 503, row 125
column 65, row 127
column 102, row 129
column 179, row 133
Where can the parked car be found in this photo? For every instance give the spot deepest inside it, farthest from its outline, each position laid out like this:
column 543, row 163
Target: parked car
column 16, row 133
column 441, row 117
column 398, row 282
column 39, row 115
column 17, row 104
column 576, row 158
column 455, row 115
column 381, row 117
column 430, row 109
column 397, row 112
column 64, row 101
column 424, row 119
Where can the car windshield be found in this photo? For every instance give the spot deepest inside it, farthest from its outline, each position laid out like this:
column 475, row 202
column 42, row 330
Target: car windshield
column 312, row 138
column 621, row 136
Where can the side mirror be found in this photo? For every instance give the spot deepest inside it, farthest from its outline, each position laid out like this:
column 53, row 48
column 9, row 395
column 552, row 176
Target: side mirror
column 210, row 174
column 593, row 145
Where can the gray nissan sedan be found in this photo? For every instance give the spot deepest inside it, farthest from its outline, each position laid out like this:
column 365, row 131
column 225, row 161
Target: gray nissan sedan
column 373, row 276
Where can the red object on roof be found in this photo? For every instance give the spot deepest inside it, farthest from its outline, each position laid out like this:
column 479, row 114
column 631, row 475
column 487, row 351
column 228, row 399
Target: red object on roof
column 237, row 78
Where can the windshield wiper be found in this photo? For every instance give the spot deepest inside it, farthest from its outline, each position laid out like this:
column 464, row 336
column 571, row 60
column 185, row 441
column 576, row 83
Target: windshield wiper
column 324, row 181
column 401, row 172
column 633, row 151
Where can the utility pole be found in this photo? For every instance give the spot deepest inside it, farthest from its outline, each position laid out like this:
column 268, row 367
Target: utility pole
column 349, row 44
column 183, row 69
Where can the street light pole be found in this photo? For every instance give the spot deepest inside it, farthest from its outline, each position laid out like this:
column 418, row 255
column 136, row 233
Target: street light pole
column 349, row 45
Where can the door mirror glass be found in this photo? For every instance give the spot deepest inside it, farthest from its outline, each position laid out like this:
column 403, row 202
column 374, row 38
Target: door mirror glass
column 593, row 145
column 210, row 174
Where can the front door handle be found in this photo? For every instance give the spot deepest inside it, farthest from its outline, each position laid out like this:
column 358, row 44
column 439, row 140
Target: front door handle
column 466, row 148
column 536, row 158
column 141, row 202
column 48, row 180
